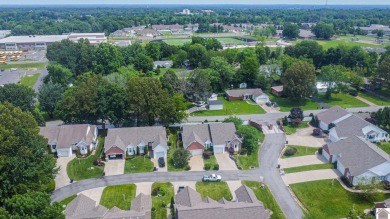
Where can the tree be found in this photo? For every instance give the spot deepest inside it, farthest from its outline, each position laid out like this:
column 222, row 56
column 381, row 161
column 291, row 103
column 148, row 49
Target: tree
column 237, row 121
column 143, row 63
column 290, row 31
column 49, row 94
column 198, row 56
column 333, row 76
column 249, row 70
column 170, row 81
column 224, row 73
column 58, row 74
column 174, row 110
column 261, row 54
column 323, row 30
column 250, row 137
column 153, row 50
column 198, row 86
column 380, row 33
column 107, row 59
column 307, row 49
column 296, row 115
column 299, row 80
column 180, row 157
column 384, row 70
column 20, row 96
column 180, row 58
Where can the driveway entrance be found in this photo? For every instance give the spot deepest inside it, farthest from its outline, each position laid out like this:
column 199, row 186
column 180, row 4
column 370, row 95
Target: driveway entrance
column 196, row 163
column 114, row 167
column 62, row 178
column 225, row 163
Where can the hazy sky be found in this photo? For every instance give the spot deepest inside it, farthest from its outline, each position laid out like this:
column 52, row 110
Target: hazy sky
column 260, row 2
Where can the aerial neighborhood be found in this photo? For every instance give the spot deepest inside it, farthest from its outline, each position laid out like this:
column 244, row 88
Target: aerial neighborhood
column 168, row 111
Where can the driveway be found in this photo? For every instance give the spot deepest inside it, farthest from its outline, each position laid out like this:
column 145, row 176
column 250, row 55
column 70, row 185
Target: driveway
column 301, row 161
column 269, row 109
column 114, row 167
column 225, row 163
column 144, row 187
column 196, row 163
column 160, row 169
column 308, row 176
column 62, row 178
column 95, row 194
column 233, row 186
column 304, row 137
column 274, row 130
column 176, row 185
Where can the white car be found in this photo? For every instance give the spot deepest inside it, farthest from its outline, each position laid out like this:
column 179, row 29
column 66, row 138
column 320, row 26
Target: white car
column 212, row 178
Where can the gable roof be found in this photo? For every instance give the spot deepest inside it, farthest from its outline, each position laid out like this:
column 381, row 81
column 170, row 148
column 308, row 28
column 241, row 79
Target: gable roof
column 188, row 197
column 65, row 136
column 222, row 132
column 122, row 137
column 245, row 194
column 278, row 88
column 141, row 203
column 351, row 126
column 195, row 133
column 332, row 114
column 241, row 92
column 357, row 154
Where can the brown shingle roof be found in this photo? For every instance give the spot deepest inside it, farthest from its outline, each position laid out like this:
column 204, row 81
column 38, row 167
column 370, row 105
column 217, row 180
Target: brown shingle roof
column 277, row 88
column 241, row 92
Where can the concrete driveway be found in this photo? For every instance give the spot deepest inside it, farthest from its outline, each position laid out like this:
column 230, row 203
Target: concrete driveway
column 95, row 194
column 144, row 187
column 233, row 186
column 225, row 163
column 308, row 176
column 304, row 137
column 196, row 163
column 160, row 169
column 114, row 167
column 62, row 178
column 301, row 161
column 191, row 184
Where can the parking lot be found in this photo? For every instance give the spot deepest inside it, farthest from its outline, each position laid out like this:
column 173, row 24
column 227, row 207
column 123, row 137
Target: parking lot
column 9, row 77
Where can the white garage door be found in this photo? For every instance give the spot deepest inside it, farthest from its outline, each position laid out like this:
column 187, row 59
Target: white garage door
column 218, row 150
column 63, row 153
column 159, row 154
column 196, row 152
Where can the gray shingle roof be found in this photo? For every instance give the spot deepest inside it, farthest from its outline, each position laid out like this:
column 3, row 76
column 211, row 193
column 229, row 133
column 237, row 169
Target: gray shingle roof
column 215, row 102
column 122, row 137
column 66, row 135
column 330, row 115
column 277, row 88
column 241, row 92
column 188, row 197
column 141, row 203
column 351, row 126
column 357, row 154
column 245, row 194
column 222, row 132
column 192, row 133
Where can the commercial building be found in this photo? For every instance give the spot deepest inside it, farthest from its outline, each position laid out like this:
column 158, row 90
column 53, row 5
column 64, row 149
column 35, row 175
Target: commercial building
column 94, row 38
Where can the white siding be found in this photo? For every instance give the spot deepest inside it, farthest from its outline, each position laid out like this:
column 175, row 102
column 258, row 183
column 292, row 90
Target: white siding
column 219, row 149
column 364, row 178
column 215, row 107
column 326, row 155
column 64, row 152
column 159, row 150
column 261, row 99
column 323, row 125
column 340, row 167
column 333, row 135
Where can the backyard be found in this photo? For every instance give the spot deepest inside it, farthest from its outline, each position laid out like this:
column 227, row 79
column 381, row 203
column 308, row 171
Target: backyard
column 309, row 167
column 119, row 196
column 328, row 199
column 237, row 107
column 223, row 40
column 214, row 190
column 83, row 168
column 265, row 195
column 140, row 164
column 374, row 99
column 252, row 160
column 29, row 80
column 162, row 194
column 342, row 99
column 285, row 104
column 300, row 151
column 291, row 129
column 326, row 44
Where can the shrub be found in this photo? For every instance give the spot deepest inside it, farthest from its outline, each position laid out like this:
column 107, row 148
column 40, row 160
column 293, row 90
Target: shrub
column 216, row 167
column 319, row 150
column 187, row 168
column 331, row 125
column 163, row 205
column 285, row 121
column 207, row 154
column 153, row 209
column 207, row 166
column 317, row 132
column 243, row 151
column 49, row 187
column 181, row 157
column 169, row 143
column 345, row 181
column 326, row 131
column 290, row 151
column 155, row 191
column 161, row 192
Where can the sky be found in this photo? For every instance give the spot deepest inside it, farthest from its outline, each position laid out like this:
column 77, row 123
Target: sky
column 197, row 2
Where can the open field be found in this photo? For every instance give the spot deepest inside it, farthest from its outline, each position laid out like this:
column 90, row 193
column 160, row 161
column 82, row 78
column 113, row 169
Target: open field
column 285, row 104
column 214, row 190
column 342, row 99
column 326, row 44
column 177, row 42
column 119, row 196
column 29, row 80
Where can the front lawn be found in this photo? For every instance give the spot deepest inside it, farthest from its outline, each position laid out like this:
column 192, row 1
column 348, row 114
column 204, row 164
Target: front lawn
column 29, row 80
column 291, row 129
column 265, row 195
column 342, row 99
column 385, row 146
column 162, row 194
column 237, row 107
column 252, row 160
column 285, row 104
column 330, row 200
column 301, row 151
column 83, row 168
column 309, row 167
column 214, row 190
column 211, row 161
column 67, row 200
column 374, row 99
column 139, row 164
column 119, row 196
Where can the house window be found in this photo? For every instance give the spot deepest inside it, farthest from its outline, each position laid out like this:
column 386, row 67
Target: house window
column 54, row 146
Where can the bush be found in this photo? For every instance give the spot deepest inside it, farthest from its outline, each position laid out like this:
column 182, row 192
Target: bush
column 317, row 132
column 285, row 121
column 49, row 187
column 153, row 209
column 169, row 143
column 187, row 168
column 163, row 205
column 326, row 131
column 243, row 151
column 346, row 181
column 155, row 191
column 290, row 151
column 216, row 167
column 207, row 154
column 319, row 150
column 207, row 166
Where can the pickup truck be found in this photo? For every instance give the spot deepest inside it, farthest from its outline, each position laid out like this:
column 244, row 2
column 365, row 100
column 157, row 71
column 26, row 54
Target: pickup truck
column 212, row 178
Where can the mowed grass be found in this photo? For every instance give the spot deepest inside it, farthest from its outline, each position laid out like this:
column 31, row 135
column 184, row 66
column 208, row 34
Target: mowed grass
column 384, row 91
column 37, row 65
column 29, row 80
column 237, row 107
column 385, row 146
column 330, row 200
column 308, row 168
column 83, row 168
column 374, row 99
column 162, row 199
column 326, row 44
column 119, row 196
column 163, row 70
column 138, row 165
column 67, row 200
column 265, row 195
column 291, row 129
column 211, row 161
column 226, row 40
column 252, row 160
column 177, row 42
column 231, row 41
column 301, row 151
column 285, row 104
column 214, row 190
column 342, row 99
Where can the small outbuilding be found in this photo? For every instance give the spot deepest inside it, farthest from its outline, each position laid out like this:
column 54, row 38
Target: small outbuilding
column 277, row 90
column 215, row 105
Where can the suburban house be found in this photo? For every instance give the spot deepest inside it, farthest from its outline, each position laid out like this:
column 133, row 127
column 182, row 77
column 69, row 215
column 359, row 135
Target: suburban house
column 321, row 87
column 136, row 140
column 215, row 105
column 221, row 137
column 146, row 32
column 163, row 64
column 358, row 160
column 306, row 34
column 189, row 204
column 256, row 95
column 384, row 204
column 277, row 90
column 65, row 139
column 331, row 115
column 84, row 207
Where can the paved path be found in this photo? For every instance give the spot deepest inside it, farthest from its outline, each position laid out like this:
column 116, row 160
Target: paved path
column 308, row 176
column 62, row 178
column 233, row 186
column 42, row 75
column 365, row 101
column 144, row 187
column 114, row 167
column 225, row 163
column 301, row 161
column 322, row 104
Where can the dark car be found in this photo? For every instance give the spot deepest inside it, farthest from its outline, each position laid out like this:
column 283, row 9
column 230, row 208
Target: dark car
column 2, row 69
column 161, row 162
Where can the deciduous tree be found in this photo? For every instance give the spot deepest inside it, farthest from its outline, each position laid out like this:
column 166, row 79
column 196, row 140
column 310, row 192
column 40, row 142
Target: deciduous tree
column 299, row 80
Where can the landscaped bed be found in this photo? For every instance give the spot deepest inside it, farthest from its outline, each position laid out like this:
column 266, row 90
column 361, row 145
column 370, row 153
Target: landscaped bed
column 139, row 164
column 214, row 190
column 162, row 194
column 309, row 167
column 285, row 104
column 265, row 195
column 291, row 129
column 252, row 160
column 119, row 196
column 211, row 162
column 343, row 100
column 328, row 199
column 300, row 151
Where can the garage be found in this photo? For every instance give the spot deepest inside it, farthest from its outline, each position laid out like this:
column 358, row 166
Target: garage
column 261, row 99
column 64, row 152
column 219, row 150
column 196, row 152
column 159, row 154
column 115, row 156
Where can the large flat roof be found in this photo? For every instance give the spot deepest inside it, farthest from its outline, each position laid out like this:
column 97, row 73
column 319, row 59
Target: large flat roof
column 34, row 39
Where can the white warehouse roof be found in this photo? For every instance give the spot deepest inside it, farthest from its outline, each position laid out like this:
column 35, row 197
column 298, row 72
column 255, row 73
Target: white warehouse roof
column 34, row 39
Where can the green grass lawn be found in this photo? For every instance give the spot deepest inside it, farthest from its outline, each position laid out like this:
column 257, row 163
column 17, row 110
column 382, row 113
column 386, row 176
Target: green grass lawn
column 301, row 151
column 291, row 129
column 309, row 167
column 374, row 99
column 285, row 104
column 343, row 100
column 67, row 200
column 29, row 80
column 83, row 168
column 166, row 193
column 214, row 190
column 226, row 40
column 330, row 200
column 177, row 42
column 385, row 146
column 326, row 44
column 265, row 195
column 119, row 196
column 37, row 65
column 231, row 41
column 246, row 161
column 139, row 164
column 212, row 161
column 237, row 107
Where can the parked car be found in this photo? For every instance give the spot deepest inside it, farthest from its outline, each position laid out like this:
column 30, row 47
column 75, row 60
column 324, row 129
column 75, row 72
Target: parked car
column 268, row 104
column 13, row 69
column 2, row 69
column 161, row 162
column 212, row 178
column 200, row 103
